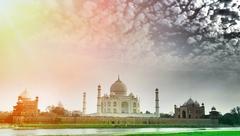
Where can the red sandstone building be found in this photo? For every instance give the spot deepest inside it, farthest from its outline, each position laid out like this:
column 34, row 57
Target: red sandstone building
column 190, row 110
column 25, row 107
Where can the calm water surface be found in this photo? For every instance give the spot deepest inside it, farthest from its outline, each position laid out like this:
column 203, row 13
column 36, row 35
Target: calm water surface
column 105, row 132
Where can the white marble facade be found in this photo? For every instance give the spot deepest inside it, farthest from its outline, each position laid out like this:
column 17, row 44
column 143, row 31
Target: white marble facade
column 118, row 102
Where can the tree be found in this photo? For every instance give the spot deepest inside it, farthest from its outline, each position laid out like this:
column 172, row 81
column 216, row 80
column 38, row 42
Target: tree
column 58, row 110
column 189, row 28
column 228, row 119
column 236, row 111
column 148, row 112
column 200, row 30
column 232, row 118
column 166, row 115
column 209, row 27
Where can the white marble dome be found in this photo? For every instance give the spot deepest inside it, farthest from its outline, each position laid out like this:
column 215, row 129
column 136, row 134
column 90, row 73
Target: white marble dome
column 118, row 88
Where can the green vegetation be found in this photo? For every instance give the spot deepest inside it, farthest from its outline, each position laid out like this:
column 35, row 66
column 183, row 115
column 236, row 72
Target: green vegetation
column 232, row 118
column 73, row 126
column 214, row 133
column 61, row 126
column 4, row 126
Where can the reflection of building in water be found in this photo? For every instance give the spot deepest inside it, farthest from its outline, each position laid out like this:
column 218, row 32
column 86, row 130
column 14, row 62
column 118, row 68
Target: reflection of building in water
column 190, row 109
column 26, row 107
column 118, row 102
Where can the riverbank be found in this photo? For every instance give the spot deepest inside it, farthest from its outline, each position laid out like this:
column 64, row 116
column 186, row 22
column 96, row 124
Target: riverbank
column 5, row 126
column 212, row 133
column 229, row 131
column 75, row 126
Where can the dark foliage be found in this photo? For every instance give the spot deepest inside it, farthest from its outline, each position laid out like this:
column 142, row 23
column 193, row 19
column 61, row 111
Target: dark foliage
column 165, row 115
column 232, row 118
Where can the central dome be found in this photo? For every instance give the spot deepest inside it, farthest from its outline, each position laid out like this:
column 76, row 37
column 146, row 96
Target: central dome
column 118, row 88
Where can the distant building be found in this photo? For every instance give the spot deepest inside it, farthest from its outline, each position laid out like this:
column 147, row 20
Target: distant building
column 190, row 110
column 214, row 114
column 118, row 102
column 76, row 113
column 25, row 107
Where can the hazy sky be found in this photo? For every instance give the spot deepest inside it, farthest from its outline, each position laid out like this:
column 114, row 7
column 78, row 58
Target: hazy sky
column 55, row 51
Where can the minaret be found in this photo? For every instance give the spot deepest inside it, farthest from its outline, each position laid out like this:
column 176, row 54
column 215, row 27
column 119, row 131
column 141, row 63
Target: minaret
column 157, row 102
column 84, row 103
column 36, row 101
column 99, row 100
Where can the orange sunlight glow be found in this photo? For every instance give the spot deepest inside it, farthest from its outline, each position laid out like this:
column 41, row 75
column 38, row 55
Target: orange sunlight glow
column 50, row 48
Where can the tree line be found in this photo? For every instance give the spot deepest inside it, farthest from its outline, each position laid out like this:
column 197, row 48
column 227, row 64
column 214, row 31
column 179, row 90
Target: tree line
column 232, row 118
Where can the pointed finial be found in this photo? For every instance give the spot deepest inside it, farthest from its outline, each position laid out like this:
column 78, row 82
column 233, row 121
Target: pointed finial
column 25, row 94
column 118, row 77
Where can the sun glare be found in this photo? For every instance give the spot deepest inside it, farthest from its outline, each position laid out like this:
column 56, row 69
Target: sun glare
column 19, row 15
column 7, row 6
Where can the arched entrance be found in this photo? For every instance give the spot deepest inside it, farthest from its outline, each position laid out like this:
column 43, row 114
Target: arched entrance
column 184, row 114
column 124, row 107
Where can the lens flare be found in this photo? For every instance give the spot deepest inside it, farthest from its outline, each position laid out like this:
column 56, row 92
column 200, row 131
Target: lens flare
column 7, row 7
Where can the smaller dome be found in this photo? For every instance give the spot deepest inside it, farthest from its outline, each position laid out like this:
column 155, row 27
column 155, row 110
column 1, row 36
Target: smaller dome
column 196, row 103
column 191, row 102
column 213, row 109
column 131, row 94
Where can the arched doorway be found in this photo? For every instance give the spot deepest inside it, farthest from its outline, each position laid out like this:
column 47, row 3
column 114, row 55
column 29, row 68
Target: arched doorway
column 184, row 114
column 124, row 107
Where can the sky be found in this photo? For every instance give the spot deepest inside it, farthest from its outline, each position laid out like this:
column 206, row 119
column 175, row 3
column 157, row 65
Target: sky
column 58, row 49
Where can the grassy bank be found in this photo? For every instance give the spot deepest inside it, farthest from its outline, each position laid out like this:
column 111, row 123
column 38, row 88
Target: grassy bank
column 73, row 126
column 217, row 133
column 4, row 126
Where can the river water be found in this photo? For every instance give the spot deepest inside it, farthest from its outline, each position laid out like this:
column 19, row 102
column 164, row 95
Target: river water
column 104, row 132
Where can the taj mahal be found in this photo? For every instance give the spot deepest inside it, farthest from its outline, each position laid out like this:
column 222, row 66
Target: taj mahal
column 118, row 102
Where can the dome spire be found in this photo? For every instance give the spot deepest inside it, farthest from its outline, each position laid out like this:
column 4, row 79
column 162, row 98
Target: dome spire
column 118, row 77
column 25, row 93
